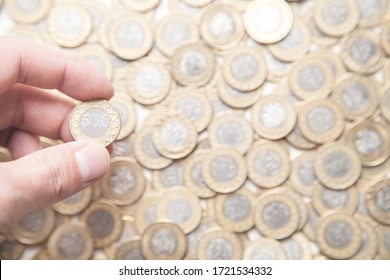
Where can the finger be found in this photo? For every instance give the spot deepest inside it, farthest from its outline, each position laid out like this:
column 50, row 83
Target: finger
column 22, row 143
column 28, row 63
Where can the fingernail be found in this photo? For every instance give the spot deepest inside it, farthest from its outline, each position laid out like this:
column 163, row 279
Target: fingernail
column 93, row 162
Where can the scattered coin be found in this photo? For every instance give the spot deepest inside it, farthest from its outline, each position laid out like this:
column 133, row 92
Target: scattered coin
column 370, row 241
column 384, row 242
column 219, row 245
column 170, row 176
column 74, row 204
column 385, row 42
column 125, row 108
column 385, row 102
column 146, row 214
column 27, row 12
column 10, row 249
column 378, row 204
column 297, row 247
column 141, row 5
column 197, row 3
column 372, row 12
column 130, row 250
column 302, row 177
column 265, row 249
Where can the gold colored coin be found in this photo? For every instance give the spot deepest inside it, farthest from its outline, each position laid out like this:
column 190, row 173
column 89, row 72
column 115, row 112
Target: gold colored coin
column 302, row 177
column 268, row 21
column 273, row 117
column 145, row 213
column 193, row 65
column 384, row 242
column 35, row 227
column 372, row 12
column 339, row 236
column 130, row 250
column 385, row 34
column 219, row 244
column 175, row 136
column 265, row 249
column 276, row 215
column 377, row 201
column 103, row 221
column 141, row 5
column 234, row 211
column 74, row 204
column 27, row 12
column 321, row 121
column 181, row 207
column 337, row 166
column 97, row 56
column 96, row 121
column 268, row 164
column 336, row 17
column 297, row 247
column 371, row 141
column 163, row 241
column 70, row 242
column 104, row 24
column 11, row 250
column 385, row 101
column 4, row 155
column 244, row 68
column 370, row 241
column 231, row 131
column 170, row 176
column 224, row 170
column 197, row 3
column 128, row 117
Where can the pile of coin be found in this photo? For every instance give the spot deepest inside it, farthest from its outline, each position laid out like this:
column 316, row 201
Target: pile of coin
column 250, row 130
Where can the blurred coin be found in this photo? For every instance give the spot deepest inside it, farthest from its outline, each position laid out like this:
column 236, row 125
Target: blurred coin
column 265, row 249
column 141, row 5
column 277, row 69
column 27, row 11
column 97, row 56
column 170, row 176
column 197, row 3
column 372, row 12
column 219, row 245
column 384, row 242
column 297, row 247
column 146, row 213
column 385, row 101
column 130, row 250
column 370, row 241
column 296, row 139
column 319, row 38
column 75, row 203
column 378, row 202
column 10, row 249
column 385, row 34
column 302, row 177
column 128, row 117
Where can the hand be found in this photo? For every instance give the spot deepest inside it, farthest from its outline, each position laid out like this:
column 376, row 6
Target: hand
column 38, row 178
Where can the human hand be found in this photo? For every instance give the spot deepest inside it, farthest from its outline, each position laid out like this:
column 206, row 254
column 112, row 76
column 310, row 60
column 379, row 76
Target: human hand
column 37, row 178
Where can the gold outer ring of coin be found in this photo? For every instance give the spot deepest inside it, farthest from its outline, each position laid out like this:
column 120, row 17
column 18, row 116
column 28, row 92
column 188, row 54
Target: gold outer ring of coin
column 253, row 82
column 371, row 87
column 286, row 230
column 141, row 6
column 329, row 135
column 239, row 120
column 190, row 163
column 232, row 225
column 10, row 249
column 304, row 243
column 175, row 230
column 297, row 140
column 384, row 250
column 128, row 123
column 344, row 181
column 65, row 39
column 337, row 30
column 349, row 207
column 124, row 248
column 281, row 130
column 385, row 42
column 193, row 200
column 268, row 245
column 76, row 207
column 135, row 191
column 296, row 182
column 332, row 59
column 376, row 172
column 219, row 234
column 294, row 82
column 143, row 206
column 99, row 53
column 105, row 23
column 182, row 150
column 319, row 38
column 333, row 252
column 77, row 117
column 198, row 80
column 311, row 225
column 374, row 210
column 157, row 176
column 251, row 16
column 81, row 232
column 374, row 18
column 23, row 16
column 113, row 211
column 370, row 247
column 379, row 156
column 126, row 52
column 197, row 3
column 232, row 185
column 385, row 99
column 30, row 238
column 268, row 181
column 288, row 53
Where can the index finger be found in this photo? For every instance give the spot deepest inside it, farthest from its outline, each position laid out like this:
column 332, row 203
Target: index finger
column 31, row 64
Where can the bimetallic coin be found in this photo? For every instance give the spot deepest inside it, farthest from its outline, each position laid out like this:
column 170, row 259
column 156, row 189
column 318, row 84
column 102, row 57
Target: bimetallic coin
column 336, row 17
column 128, row 117
column 319, row 38
column 10, row 249
column 321, row 121
column 75, row 203
column 277, row 69
column 123, row 148
column 231, row 131
column 163, row 241
column 170, row 176
column 193, row 65
column 27, row 11
column 339, row 236
column 96, row 121
column 224, row 170
column 244, row 68
column 372, row 12
column 268, row 21
column 197, row 3
column 264, row 249
column 219, row 244
column 337, row 166
column 302, row 177
column 332, row 59
column 130, row 250
column 35, row 227
column 370, row 241
column 310, row 228
column 174, row 135
column 296, row 139
column 145, row 213
column 384, row 242
column 276, row 215
column 378, row 201
column 385, row 35
column 70, row 242
column 385, row 101
column 297, row 247
column 141, row 5
column 273, row 117
column 97, row 56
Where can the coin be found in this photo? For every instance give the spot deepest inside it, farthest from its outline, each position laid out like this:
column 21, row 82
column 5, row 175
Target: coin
column 130, row 250
column 27, row 12
column 265, row 249
column 197, row 3
column 268, row 21
column 170, row 176
column 231, row 131
column 103, row 222
column 277, row 69
column 385, row 102
column 370, row 241
column 234, row 211
column 378, row 203
column 70, row 242
column 69, row 33
column 75, row 203
column 321, row 121
column 96, row 121
column 244, row 68
column 376, row 172
column 336, row 17
column 337, row 166
column 219, row 244
column 384, row 242
column 372, row 12
column 175, row 135
column 141, row 5
column 224, row 170
column 319, row 38
column 128, row 117
column 273, row 117
column 297, row 247
column 163, row 241
column 302, row 177
column 268, row 164
column 339, row 236
column 357, row 96
column 296, row 139
column 384, row 37
column 10, row 249
column 332, row 59
column 145, row 213
column 97, row 56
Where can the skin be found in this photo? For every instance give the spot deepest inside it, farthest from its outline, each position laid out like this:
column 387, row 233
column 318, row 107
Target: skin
column 38, row 178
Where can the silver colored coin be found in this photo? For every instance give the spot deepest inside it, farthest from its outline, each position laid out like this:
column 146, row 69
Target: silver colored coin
column 338, row 234
column 148, row 80
column 337, row 165
column 191, row 108
column 150, row 215
column 193, row 63
column 267, row 163
column 321, row 119
column 224, row 168
column 122, row 181
column 237, row 208
column 175, row 32
column 172, row 175
column 148, row 146
column 369, row 8
column 133, row 254
column 174, row 134
column 74, row 198
column 334, row 199
column 100, row 223
column 273, row 115
column 70, row 245
column 163, row 242
column 363, row 50
column 306, row 173
column 368, row 142
column 311, row 78
column 292, row 40
column 130, row 34
column 178, row 210
column 222, row 25
column 355, row 97
column 244, row 67
column 382, row 199
column 336, row 12
column 292, row 248
column 196, row 175
column 276, row 214
column 219, row 249
column 34, row 221
column 230, row 133
column 122, row 148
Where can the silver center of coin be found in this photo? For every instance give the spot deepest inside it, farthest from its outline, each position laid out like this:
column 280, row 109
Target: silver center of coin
column 292, row 40
column 148, row 81
column 335, row 12
column 133, row 254
column 237, row 208
column 175, row 32
column 338, row 234
column 334, row 199
column 219, row 249
column 230, row 133
column 369, row 8
column 292, row 248
column 174, row 134
column 190, row 107
column 263, row 253
column 100, row 223
column 268, row 19
column 223, row 168
column 222, row 25
column 148, row 146
column 34, row 221
column 386, row 240
column 306, row 173
column 74, row 198
column 355, row 97
column 244, row 67
column 276, row 214
column 274, row 64
column 321, row 119
column 337, row 164
column 70, row 245
column 69, row 21
column 121, row 148
column 130, row 35
column 28, row 6
column 382, row 199
column 95, row 122
column 172, row 175
column 150, row 215
column 267, row 163
column 362, row 50
column 122, row 181
column 163, row 242
column 123, row 113
column 193, row 63
column 311, row 78
column 179, row 210
column 96, row 61
column 368, row 142
column 196, row 175
column 273, row 115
